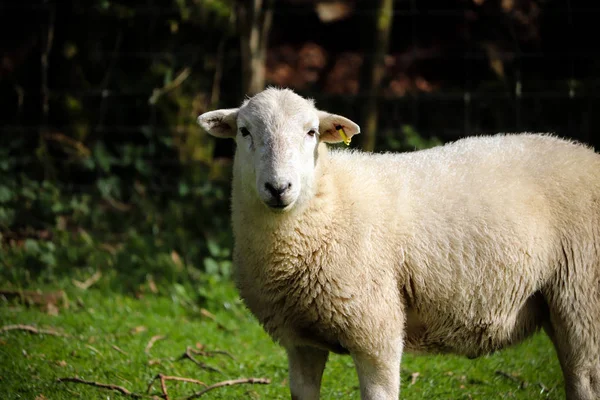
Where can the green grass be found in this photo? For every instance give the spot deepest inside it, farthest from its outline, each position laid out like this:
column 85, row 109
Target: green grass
column 100, row 321
column 164, row 258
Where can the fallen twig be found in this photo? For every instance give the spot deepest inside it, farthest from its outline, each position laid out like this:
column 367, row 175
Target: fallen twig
column 507, row 375
column 204, row 312
column 212, row 353
column 115, row 388
column 92, row 348
column 413, row 378
column 262, row 381
column 31, row 329
column 117, row 348
column 163, row 385
column 544, row 388
column 188, row 355
column 153, row 340
column 89, row 281
column 522, row 383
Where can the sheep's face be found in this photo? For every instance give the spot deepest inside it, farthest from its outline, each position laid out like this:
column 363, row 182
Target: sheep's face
column 277, row 133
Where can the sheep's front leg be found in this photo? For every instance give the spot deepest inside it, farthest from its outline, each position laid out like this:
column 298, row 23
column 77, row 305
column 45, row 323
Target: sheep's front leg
column 306, row 365
column 379, row 372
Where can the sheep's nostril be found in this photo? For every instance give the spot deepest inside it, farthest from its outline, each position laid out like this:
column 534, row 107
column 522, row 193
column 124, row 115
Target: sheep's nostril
column 278, row 190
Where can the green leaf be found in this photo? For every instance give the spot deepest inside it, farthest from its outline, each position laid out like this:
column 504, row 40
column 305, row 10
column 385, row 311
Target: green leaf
column 184, row 189
column 103, row 157
column 29, row 193
column 58, row 207
column 211, row 266
column 226, row 267
column 87, row 239
column 213, row 248
column 49, row 259
column 32, row 246
column 6, row 194
column 88, row 163
column 7, row 216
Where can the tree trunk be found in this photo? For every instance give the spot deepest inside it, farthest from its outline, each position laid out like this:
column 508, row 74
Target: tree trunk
column 373, row 71
column 254, row 19
column 254, row 23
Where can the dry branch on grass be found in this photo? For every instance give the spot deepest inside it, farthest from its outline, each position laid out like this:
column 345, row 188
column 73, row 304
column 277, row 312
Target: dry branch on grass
column 163, row 378
column 212, row 353
column 205, row 313
column 163, row 383
column 261, row 381
column 117, row 348
column 544, row 388
column 413, row 377
column 153, row 340
column 115, row 388
column 32, row 329
column 522, row 383
column 188, row 355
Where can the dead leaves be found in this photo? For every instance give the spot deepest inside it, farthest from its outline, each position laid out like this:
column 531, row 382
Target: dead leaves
column 138, row 329
column 32, row 329
column 49, row 302
column 85, row 285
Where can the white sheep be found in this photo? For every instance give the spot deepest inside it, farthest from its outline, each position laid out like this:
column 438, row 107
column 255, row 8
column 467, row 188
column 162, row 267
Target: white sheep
column 465, row 248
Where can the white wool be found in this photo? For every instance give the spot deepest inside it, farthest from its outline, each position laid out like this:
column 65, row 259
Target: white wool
column 465, row 248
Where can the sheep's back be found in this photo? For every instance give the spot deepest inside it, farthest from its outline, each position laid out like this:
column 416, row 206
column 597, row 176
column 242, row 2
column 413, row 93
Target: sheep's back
column 482, row 224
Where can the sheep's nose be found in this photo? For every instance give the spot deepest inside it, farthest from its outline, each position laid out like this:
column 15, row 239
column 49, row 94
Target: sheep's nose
column 278, row 190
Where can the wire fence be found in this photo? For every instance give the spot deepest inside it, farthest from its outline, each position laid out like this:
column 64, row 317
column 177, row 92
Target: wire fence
column 561, row 100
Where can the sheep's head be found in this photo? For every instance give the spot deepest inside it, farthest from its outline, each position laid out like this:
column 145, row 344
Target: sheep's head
column 277, row 134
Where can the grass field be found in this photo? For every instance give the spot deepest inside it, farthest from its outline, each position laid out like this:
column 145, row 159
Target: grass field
column 122, row 340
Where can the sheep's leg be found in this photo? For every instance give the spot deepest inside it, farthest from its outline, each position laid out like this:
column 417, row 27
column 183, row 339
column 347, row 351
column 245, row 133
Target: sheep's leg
column 306, row 366
column 579, row 362
column 379, row 372
column 575, row 331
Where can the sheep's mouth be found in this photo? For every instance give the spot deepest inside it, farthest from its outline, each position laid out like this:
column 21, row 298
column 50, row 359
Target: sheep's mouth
column 279, row 206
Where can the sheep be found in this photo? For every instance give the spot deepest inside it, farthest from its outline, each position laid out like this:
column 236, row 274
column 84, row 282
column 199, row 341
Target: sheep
column 466, row 248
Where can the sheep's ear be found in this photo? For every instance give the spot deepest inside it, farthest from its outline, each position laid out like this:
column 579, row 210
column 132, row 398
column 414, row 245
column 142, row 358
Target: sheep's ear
column 335, row 128
column 220, row 123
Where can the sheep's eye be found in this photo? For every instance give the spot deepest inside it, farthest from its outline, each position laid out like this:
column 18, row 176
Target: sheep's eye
column 245, row 132
column 312, row 132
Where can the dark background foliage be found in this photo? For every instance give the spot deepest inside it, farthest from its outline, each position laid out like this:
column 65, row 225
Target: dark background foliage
column 102, row 166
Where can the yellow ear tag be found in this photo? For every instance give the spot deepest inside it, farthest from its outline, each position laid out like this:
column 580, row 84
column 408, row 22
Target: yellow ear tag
column 346, row 139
